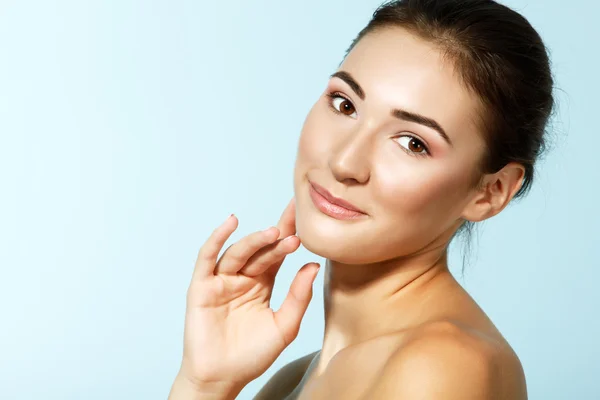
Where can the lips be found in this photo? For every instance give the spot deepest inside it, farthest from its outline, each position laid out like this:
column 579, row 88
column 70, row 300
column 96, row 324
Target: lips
column 335, row 200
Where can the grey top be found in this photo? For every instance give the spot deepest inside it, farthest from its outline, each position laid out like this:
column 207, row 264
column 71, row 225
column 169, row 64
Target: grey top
column 296, row 392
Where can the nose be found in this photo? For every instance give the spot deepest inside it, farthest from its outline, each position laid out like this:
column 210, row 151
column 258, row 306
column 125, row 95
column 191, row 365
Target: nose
column 350, row 163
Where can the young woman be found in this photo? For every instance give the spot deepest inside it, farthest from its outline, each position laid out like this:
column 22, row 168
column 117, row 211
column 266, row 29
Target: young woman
column 432, row 123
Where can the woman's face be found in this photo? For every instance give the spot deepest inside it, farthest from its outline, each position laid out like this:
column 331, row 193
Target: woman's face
column 395, row 135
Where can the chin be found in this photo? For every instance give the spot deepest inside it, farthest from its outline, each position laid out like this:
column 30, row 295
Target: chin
column 344, row 241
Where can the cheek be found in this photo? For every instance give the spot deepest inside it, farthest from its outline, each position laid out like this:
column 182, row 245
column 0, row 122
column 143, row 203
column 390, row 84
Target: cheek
column 419, row 190
column 315, row 138
column 309, row 147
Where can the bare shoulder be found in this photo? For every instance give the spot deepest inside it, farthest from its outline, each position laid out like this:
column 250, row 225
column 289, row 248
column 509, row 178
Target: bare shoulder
column 450, row 361
column 283, row 382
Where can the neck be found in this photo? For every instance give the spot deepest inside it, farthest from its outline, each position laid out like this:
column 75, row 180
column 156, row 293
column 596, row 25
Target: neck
column 367, row 301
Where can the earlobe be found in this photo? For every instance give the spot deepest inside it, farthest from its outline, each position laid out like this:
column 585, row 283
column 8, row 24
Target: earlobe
column 495, row 193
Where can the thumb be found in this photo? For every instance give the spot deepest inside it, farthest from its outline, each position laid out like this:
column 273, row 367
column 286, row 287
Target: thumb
column 290, row 314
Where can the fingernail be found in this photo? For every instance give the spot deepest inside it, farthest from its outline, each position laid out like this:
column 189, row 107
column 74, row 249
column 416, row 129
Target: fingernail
column 318, row 267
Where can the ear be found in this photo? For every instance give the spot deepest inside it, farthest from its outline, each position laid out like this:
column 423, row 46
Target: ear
column 495, row 192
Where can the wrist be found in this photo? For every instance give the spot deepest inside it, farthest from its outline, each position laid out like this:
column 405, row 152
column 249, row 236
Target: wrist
column 187, row 389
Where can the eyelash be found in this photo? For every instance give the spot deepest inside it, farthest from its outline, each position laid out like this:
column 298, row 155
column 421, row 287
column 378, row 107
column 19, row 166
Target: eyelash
column 421, row 154
column 333, row 95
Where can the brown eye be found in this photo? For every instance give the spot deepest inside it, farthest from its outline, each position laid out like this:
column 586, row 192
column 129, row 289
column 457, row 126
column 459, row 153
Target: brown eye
column 343, row 105
column 346, row 107
column 413, row 145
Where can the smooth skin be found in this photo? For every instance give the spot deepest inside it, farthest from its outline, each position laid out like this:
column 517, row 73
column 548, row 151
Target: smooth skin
column 397, row 323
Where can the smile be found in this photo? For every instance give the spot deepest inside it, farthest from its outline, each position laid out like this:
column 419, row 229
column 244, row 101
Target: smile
column 332, row 206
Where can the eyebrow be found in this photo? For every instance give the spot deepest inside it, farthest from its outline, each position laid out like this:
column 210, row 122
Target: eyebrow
column 346, row 77
column 397, row 113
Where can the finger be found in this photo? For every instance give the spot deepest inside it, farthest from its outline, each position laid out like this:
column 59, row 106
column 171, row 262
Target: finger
column 293, row 308
column 209, row 252
column 287, row 221
column 272, row 271
column 238, row 254
column 270, row 255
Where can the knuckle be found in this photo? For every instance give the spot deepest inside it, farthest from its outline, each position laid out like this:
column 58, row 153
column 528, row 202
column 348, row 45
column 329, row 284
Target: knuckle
column 233, row 256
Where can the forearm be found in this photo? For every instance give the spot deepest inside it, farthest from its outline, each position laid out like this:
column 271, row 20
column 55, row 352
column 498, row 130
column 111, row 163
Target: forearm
column 184, row 389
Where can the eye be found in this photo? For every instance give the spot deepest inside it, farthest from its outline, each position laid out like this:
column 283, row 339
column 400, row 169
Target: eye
column 341, row 105
column 412, row 145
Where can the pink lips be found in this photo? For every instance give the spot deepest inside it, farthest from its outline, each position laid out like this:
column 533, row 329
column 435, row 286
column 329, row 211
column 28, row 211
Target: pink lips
column 333, row 206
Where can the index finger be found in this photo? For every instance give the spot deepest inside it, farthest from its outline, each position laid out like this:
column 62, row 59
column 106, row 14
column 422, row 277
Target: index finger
column 209, row 252
column 287, row 221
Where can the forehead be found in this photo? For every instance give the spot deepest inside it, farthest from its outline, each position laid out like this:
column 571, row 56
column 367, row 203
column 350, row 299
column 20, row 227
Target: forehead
column 398, row 69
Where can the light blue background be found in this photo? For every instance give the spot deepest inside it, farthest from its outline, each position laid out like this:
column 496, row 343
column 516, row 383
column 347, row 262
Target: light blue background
column 130, row 129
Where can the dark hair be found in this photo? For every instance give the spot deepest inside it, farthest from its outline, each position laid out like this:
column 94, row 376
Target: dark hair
column 501, row 58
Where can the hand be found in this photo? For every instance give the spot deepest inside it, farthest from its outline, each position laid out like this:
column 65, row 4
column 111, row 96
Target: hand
column 231, row 334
